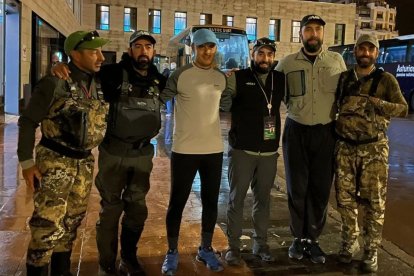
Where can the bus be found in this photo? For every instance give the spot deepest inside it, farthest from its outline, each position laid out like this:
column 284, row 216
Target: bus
column 396, row 56
column 232, row 47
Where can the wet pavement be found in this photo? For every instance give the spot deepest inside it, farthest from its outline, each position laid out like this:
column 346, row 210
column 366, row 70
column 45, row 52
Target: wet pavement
column 16, row 208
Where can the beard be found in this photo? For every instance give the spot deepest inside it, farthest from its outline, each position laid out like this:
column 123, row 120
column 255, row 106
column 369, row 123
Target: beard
column 142, row 62
column 312, row 48
column 256, row 66
column 365, row 63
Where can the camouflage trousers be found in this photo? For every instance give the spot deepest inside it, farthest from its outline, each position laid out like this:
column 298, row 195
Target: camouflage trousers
column 361, row 175
column 60, row 204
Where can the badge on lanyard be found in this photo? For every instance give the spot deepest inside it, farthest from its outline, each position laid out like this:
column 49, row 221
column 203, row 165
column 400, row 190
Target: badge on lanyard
column 269, row 128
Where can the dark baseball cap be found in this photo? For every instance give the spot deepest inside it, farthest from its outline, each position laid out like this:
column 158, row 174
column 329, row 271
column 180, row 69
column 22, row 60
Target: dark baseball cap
column 370, row 38
column 83, row 40
column 264, row 42
column 312, row 18
column 141, row 34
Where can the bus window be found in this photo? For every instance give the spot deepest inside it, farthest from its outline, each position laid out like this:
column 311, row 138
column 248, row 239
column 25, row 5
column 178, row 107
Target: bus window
column 395, row 54
column 411, row 54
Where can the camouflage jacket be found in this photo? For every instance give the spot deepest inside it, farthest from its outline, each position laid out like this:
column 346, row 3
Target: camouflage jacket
column 65, row 114
column 358, row 116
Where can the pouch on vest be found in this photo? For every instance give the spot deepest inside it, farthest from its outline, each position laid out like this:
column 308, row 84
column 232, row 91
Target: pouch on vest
column 76, row 121
column 357, row 117
column 135, row 118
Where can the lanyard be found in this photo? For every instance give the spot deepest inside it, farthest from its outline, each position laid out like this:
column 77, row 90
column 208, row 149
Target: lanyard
column 88, row 94
column 269, row 103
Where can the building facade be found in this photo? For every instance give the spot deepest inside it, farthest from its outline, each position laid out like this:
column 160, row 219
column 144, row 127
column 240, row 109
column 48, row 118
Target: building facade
column 31, row 37
column 279, row 19
column 32, row 32
column 373, row 17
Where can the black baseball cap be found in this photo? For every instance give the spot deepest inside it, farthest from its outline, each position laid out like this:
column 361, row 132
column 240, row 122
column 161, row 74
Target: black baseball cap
column 264, row 42
column 141, row 34
column 312, row 18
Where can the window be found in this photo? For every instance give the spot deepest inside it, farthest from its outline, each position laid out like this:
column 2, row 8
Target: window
column 339, row 34
column 130, row 19
column 228, row 20
column 154, row 21
column 180, row 22
column 102, row 17
column 365, row 25
column 295, row 31
column 274, row 29
column 251, row 28
column 380, row 15
column 205, row 19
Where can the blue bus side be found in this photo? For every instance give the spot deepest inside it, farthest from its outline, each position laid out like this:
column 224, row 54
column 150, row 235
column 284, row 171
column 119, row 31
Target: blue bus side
column 404, row 73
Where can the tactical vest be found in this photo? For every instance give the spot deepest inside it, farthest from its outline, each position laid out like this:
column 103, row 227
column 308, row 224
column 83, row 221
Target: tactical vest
column 135, row 119
column 75, row 124
column 356, row 122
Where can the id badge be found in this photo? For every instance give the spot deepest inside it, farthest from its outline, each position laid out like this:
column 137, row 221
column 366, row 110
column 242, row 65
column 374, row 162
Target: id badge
column 269, row 128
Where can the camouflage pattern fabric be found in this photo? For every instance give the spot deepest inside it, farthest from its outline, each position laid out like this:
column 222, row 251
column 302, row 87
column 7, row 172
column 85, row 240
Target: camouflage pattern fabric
column 361, row 179
column 361, row 170
column 60, row 203
column 74, row 121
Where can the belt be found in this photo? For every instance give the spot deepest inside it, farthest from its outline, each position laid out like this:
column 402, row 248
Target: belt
column 64, row 150
column 363, row 142
column 116, row 143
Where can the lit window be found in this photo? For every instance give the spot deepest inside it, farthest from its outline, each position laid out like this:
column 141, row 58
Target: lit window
column 295, row 31
column 130, row 19
column 180, row 22
column 154, row 21
column 339, row 34
column 228, row 20
column 274, row 29
column 102, row 17
column 251, row 28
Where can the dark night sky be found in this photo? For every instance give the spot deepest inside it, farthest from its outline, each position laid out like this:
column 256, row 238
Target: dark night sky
column 405, row 10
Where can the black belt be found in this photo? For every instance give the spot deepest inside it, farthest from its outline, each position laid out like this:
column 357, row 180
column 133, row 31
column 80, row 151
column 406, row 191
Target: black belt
column 64, row 150
column 115, row 142
column 357, row 143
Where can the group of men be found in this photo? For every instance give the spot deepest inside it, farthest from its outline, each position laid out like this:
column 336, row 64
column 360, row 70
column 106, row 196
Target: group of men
column 117, row 107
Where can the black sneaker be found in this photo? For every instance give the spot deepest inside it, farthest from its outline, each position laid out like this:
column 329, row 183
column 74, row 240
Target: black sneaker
column 296, row 249
column 130, row 268
column 370, row 261
column 315, row 253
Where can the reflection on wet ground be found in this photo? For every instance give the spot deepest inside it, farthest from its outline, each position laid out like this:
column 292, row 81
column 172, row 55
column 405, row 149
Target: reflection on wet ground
column 16, row 208
column 399, row 222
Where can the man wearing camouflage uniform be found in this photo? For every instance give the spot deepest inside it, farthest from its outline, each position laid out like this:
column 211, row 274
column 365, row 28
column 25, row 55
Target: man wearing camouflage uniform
column 72, row 116
column 367, row 99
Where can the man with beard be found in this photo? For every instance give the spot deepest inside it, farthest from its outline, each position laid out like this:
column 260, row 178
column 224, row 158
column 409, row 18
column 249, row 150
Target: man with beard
column 132, row 88
column 308, row 140
column 367, row 99
column 254, row 139
column 197, row 145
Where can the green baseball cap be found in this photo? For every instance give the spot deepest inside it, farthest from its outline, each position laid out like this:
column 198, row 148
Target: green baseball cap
column 83, row 40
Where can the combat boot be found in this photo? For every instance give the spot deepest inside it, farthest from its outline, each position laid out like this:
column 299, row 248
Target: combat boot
column 347, row 252
column 370, row 261
column 60, row 264
column 129, row 264
column 32, row 270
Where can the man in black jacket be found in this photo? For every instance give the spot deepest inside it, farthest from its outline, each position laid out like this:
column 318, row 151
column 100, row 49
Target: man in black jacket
column 254, row 138
column 132, row 88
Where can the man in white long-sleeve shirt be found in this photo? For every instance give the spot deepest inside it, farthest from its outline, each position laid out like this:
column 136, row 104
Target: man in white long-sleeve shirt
column 197, row 145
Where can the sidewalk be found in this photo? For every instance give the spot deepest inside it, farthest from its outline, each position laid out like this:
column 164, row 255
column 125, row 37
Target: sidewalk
column 16, row 208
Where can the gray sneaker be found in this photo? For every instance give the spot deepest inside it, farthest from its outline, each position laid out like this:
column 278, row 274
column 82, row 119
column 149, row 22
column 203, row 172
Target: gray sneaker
column 263, row 252
column 108, row 271
column 315, row 253
column 232, row 256
column 296, row 249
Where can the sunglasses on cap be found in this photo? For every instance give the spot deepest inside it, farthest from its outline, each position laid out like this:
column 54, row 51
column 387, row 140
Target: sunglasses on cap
column 265, row 42
column 88, row 37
